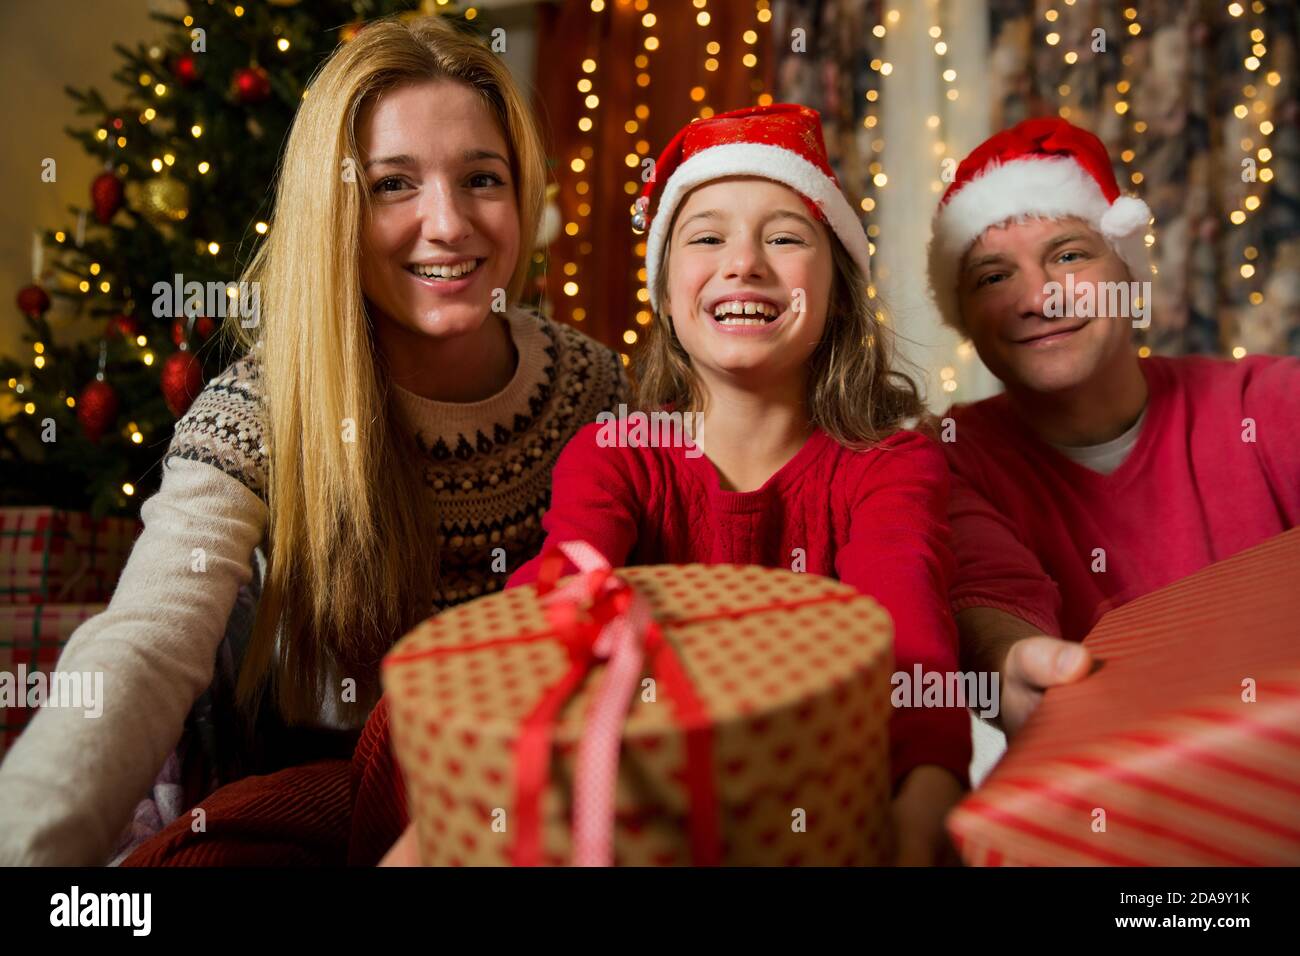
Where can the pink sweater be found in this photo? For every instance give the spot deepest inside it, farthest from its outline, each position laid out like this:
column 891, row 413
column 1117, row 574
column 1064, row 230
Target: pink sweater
column 873, row 519
column 1031, row 528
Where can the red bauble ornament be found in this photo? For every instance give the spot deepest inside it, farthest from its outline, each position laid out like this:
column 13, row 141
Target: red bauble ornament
column 106, row 197
column 182, row 380
column 96, row 409
column 124, row 325
column 252, row 84
column 203, row 327
column 186, row 70
column 33, row 301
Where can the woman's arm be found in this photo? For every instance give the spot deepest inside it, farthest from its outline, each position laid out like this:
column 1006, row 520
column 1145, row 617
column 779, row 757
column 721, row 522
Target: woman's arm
column 70, row 782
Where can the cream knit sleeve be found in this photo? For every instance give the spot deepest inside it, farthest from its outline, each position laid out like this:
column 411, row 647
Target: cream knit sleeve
column 70, row 782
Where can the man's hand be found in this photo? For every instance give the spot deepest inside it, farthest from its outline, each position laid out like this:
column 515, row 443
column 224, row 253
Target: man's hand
column 1032, row 665
column 1027, row 660
column 919, row 810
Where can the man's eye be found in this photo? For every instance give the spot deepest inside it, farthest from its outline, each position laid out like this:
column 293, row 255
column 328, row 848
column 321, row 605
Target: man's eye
column 1072, row 253
column 389, row 184
column 989, row 279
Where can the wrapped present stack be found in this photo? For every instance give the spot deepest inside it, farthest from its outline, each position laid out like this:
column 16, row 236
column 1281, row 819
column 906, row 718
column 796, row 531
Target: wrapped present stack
column 57, row 569
column 1181, row 749
column 663, row 715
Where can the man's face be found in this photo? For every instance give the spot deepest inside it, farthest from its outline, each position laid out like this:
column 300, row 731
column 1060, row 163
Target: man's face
column 1004, row 290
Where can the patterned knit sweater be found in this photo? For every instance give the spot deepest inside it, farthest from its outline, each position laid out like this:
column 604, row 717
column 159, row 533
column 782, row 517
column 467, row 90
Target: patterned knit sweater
column 68, row 785
column 487, row 464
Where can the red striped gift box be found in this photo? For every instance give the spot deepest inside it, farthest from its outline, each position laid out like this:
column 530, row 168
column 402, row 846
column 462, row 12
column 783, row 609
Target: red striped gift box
column 61, row 557
column 1181, row 749
column 31, row 640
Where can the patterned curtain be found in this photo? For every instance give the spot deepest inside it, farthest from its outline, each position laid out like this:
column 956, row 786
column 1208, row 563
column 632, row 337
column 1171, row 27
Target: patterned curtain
column 1196, row 101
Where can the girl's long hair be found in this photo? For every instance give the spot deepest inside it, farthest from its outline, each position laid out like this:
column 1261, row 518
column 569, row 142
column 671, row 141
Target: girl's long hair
column 859, row 388
column 352, row 545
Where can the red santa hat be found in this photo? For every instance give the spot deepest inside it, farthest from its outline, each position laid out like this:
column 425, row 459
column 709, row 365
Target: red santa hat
column 1045, row 168
column 782, row 142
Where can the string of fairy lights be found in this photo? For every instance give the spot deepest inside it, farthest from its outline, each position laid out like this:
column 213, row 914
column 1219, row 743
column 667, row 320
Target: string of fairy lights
column 1253, row 112
column 575, row 175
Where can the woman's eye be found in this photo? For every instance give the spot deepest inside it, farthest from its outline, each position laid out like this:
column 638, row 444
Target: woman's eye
column 389, row 184
column 482, row 180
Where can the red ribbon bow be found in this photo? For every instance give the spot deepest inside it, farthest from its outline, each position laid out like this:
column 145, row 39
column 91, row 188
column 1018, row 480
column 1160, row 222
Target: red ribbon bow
column 601, row 618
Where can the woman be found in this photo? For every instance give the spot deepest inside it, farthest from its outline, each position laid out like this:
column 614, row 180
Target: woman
column 384, row 395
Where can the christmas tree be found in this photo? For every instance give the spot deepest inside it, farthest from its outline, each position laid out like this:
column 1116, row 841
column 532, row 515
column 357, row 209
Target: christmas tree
column 189, row 146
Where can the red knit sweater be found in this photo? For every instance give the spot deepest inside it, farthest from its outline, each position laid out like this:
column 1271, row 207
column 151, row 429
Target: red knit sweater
column 873, row 519
column 1216, row 469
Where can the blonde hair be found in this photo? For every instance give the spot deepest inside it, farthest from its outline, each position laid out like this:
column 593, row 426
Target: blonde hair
column 857, row 391
column 351, row 545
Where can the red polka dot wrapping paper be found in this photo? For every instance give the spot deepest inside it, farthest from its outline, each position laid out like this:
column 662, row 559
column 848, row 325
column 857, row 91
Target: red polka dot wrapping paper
column 1160, row 758
column 797, row 698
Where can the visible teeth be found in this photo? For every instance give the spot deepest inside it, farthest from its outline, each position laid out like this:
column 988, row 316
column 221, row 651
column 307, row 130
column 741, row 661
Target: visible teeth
column 735, row 320
column 746, row 308
column 445, row 272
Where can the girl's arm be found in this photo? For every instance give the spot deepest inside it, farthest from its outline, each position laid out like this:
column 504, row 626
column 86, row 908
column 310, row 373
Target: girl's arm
column 898, row 553
column 598, row 495
column 70, row 782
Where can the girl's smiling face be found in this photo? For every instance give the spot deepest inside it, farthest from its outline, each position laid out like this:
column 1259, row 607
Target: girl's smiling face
column 749, row 274
column 442, row 231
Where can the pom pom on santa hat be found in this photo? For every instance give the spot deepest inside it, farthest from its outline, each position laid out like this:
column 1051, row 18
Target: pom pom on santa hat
column 1045, row 168
column 782, row 142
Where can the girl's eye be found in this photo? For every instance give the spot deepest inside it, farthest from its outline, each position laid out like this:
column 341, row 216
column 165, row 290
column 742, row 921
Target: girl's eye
column 388, row 184
column 482, row 180
column 704, row 239
column 788, row 240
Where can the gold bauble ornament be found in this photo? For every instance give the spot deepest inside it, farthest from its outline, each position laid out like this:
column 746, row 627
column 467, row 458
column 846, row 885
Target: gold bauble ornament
column 164, row 199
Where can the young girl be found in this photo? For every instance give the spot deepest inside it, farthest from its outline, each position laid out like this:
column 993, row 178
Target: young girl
column 757, row 269
column 385, row 432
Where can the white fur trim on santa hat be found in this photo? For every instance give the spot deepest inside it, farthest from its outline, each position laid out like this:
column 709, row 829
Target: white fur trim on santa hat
column 769, row 162
column 1047, row 188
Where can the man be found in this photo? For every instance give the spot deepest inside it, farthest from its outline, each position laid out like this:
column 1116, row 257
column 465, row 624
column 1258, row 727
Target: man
column 1097, row 476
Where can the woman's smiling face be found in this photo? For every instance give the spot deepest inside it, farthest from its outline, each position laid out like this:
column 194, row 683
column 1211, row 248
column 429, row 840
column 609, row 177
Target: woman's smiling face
column 442, row 232
column 749, row 278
